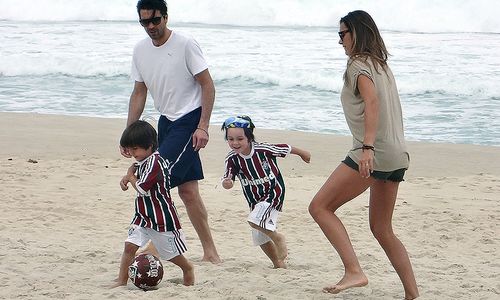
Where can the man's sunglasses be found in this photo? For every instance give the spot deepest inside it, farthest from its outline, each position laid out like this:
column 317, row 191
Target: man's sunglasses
column 154, row 20
column 342, row 34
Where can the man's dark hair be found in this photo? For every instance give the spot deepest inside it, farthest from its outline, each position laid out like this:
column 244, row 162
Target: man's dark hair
column 154, row 5
column 140, row 134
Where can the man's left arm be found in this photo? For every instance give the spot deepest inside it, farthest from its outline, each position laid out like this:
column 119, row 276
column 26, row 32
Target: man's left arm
column 200, row 136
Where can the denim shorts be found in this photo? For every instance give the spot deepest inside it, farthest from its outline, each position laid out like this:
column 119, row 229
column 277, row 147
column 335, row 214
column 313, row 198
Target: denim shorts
column 396, row 175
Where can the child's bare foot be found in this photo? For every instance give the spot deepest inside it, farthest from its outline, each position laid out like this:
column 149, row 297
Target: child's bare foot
column 348, row 281
column 281, row 246
column 116, row 284
column 279, row 264
column 188, row 275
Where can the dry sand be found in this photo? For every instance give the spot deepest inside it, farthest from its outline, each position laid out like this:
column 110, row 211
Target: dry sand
column 64, row 219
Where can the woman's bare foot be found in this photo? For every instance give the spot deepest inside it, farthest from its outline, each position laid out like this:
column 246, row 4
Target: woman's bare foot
column 348, row 281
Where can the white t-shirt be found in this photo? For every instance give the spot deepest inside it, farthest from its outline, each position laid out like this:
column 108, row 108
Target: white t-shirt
column 168, row 72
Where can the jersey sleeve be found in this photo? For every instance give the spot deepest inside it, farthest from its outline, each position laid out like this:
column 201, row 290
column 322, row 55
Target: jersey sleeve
column 278, row 150
column 356, row 67
column 195, row 60
column 231, row 169
column 151, row 175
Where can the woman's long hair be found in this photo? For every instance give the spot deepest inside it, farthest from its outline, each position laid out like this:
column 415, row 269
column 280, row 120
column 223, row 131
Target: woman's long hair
column 366, row 38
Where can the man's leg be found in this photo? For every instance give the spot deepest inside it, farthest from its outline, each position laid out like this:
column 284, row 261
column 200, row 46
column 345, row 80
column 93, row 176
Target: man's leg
column 190, row 195
column 175, row 144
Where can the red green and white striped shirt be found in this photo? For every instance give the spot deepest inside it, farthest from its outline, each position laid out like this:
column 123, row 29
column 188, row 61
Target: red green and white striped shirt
column 259, row 174
column 154, row 207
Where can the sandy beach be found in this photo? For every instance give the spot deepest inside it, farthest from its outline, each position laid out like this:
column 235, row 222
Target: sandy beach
column 65, row 218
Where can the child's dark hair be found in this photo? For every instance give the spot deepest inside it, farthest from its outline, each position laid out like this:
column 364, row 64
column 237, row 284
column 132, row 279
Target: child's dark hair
column 247, row 130
column 140, row 134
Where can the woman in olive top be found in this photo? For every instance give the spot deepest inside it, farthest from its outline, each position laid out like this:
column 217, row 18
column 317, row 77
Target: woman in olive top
column 377, row 160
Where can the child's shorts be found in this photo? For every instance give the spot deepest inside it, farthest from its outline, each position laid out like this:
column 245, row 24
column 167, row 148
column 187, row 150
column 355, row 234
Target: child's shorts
column 169, row 244
column 265, row 216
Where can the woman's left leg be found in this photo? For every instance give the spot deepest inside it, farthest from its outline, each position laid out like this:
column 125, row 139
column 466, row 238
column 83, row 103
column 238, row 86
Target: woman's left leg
column 383, row 196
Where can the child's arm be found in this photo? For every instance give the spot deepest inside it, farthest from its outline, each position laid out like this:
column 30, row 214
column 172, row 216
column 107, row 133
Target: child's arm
column 305, row 155
column 128, row 178
column 133, row 182
column 229, row 174
column 131, row 176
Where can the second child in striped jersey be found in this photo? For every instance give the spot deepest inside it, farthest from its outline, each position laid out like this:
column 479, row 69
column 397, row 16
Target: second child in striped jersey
column 257, row 170
column 155, row 217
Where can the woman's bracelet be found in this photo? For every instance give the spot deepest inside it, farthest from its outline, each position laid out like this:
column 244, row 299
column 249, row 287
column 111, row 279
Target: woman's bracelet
column 368, row 147
column 203, row 130
column 365, row 147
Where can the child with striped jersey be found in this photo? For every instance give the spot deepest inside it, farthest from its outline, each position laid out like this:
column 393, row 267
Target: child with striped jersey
column 263, row 186
column 155, row 215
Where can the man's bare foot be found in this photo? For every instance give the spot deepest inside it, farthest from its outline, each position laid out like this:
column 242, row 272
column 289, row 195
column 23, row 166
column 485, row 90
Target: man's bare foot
column 348, row 281
column 215, row 259
column 281, row 246
column 188, row 275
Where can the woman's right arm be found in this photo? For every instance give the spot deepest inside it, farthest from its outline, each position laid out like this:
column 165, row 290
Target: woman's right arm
column 368, row 93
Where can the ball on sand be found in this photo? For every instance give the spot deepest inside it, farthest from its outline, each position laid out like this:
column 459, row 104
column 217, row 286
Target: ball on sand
column 146, row 271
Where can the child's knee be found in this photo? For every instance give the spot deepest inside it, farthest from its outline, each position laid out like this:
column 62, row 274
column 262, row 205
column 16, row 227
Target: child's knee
column 253, row 225
column 130, row 248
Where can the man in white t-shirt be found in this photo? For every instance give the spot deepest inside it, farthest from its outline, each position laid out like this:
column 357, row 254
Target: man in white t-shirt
column 172, row 68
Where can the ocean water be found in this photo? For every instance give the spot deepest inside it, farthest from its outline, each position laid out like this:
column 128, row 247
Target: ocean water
column 277, row 61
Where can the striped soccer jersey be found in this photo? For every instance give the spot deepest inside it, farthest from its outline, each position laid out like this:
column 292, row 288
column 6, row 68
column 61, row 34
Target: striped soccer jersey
column 154, row 207
column 259, row 174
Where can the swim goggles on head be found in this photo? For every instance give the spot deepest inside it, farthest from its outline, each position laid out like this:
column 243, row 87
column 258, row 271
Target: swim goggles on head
column 237, row 122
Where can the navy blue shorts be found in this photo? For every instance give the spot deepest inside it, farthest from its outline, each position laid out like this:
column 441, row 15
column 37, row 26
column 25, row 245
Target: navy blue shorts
column 396, row 176
column 176, row 145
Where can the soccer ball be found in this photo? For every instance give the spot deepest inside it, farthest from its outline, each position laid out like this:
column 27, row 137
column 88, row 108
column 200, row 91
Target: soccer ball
column 146, row 271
